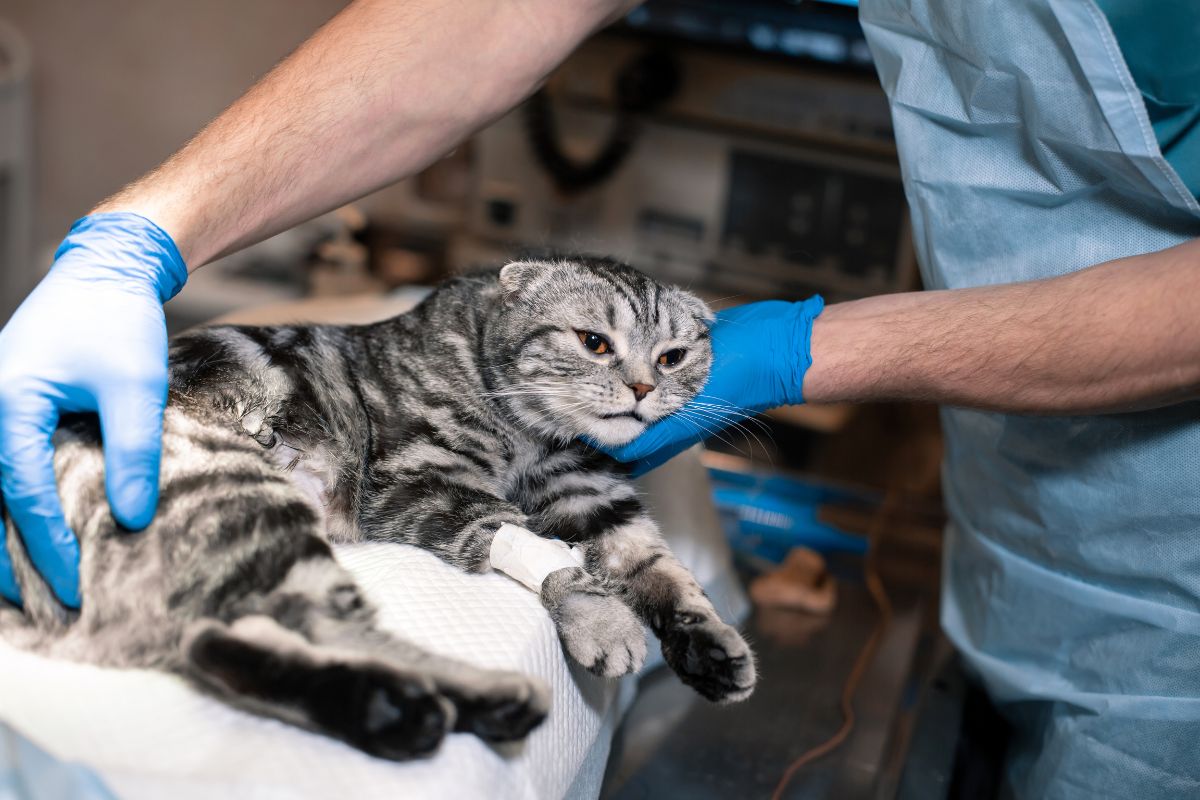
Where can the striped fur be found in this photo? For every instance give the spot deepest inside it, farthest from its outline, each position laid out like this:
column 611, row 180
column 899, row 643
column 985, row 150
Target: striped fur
column 433, row 429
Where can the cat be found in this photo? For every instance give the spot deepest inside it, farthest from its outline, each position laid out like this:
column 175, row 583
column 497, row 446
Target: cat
column 433, row 429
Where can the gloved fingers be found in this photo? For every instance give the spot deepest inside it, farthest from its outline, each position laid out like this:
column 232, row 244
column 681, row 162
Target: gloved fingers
column 131, row 420
column 658, row 458
column 31, row 493
column 8, row 581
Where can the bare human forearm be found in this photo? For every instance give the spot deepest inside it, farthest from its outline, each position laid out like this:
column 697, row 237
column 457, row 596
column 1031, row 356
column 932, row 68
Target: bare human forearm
column 382, row 90
column 1118, row 336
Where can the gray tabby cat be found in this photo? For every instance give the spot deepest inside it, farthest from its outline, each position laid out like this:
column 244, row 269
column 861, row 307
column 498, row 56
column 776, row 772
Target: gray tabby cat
column 432, row 428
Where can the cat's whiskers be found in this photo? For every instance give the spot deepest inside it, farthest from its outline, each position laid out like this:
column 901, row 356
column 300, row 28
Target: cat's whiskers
column 706, row 432
column 723, row 418
column 703, row 397
column 740, row 416
column 716, row 426
column 703, row 426
column 530, row 388
column 725, row 407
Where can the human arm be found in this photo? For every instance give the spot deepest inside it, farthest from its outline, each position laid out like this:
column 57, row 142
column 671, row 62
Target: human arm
column 1119, row 336
column 383, row 89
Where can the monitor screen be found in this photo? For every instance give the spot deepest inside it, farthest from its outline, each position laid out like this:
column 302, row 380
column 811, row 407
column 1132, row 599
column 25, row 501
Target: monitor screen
column 825, row 31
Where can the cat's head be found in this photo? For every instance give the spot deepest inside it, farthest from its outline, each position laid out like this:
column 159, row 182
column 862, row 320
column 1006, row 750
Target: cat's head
column 591, row 347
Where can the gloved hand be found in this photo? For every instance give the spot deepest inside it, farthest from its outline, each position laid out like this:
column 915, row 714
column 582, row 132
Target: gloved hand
column 90, row 337
column 760, row 355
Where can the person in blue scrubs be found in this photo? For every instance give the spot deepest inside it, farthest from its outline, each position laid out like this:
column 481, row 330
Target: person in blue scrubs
column 1051, row 160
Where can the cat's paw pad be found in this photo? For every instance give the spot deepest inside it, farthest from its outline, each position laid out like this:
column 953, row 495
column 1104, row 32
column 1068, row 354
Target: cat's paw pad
column 601, row 633
column 398, row 720
column 709, row 656
column 503, row 707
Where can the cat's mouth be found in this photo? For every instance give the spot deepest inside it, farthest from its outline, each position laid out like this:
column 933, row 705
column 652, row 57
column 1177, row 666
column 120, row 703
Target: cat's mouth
column 626, row 414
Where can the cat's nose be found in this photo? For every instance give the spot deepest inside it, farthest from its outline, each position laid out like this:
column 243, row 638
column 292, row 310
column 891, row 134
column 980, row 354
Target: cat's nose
column 640, row 390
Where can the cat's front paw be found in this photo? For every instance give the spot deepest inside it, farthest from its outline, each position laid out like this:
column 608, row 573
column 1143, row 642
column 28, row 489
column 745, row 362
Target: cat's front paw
column 602, row 634
column 596, row 628
column 709, row 656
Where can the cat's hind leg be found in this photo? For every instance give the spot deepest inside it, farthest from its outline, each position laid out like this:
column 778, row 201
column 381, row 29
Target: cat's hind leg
column 317, row 625
column 263, row 667
column 495, row 705
column 328, row 606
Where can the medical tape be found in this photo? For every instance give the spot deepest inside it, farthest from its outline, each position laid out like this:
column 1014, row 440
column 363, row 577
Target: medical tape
column 529, row 558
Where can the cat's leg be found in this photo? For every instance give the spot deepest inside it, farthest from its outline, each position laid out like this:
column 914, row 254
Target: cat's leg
column 707, row 654
column 495, row 705
column 319, row 605
column 447, row 515
column 596, row 628
column 626, row 551
column 454, row 516
column 261, row 666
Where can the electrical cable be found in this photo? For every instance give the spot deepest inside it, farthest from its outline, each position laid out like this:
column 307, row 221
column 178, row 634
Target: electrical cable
column 640, row 86
column 879, row 595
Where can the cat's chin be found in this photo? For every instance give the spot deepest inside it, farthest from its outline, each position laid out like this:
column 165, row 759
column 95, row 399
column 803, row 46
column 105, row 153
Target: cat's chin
column 616, row 432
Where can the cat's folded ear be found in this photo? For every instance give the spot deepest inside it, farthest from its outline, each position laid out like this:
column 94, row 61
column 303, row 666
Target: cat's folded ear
column 695, row 306
column 517, row 276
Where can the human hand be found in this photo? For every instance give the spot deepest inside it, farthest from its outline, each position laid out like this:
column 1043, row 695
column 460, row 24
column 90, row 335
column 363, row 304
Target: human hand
column 760, row 355
column 90, row 337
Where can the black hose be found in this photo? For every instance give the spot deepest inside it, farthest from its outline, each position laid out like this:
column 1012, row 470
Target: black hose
column 642, row 85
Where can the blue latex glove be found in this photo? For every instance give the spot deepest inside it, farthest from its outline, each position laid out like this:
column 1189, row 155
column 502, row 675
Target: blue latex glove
column 90, row 337
column 760, row 354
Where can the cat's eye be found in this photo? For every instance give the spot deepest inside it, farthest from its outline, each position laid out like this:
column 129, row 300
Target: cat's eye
column 594, row 342
column 672, row 357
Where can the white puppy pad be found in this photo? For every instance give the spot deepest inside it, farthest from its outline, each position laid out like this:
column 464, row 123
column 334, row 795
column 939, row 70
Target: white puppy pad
column 148, row 735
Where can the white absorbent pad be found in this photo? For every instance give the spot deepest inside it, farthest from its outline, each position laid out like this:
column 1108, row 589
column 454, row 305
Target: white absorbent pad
column 148, row 735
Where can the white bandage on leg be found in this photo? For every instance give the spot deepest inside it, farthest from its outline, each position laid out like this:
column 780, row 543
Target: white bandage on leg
column 528, row 558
